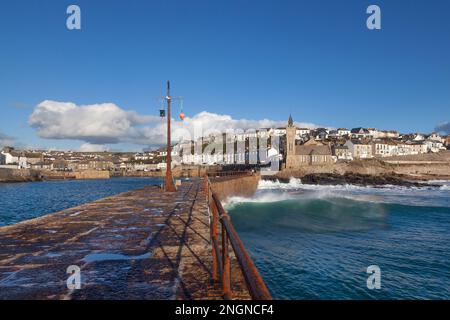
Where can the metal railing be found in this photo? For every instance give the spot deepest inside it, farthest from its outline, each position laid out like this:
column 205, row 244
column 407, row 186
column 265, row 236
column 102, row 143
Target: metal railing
column 221, row 263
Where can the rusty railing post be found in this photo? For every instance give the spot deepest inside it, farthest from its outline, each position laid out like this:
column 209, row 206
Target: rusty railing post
column 215, row 276
column 226, row 266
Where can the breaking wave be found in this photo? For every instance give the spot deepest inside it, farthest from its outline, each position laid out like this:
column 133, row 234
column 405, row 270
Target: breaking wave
column 307, row 239
column 272, row 191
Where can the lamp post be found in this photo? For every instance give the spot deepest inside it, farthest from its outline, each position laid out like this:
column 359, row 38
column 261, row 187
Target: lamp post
column 169, row 186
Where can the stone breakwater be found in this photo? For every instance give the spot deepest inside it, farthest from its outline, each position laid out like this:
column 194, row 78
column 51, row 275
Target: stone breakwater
column 244, row 186
column 141, row 244
column 22, row 175
column 30, row 175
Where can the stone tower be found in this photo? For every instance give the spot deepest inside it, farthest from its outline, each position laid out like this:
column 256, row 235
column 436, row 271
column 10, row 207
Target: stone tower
column 290, row 144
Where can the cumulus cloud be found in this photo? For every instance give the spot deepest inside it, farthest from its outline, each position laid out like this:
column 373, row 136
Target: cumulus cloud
column 89, row 147
column 96, row 124
column 106, row 123
column 443, row 127
column 6, row 140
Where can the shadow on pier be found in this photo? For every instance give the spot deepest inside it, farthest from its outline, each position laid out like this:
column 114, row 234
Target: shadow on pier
column 142, row 244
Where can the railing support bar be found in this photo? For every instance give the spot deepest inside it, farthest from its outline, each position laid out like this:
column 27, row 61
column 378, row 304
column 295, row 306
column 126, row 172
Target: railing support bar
column 226, row 266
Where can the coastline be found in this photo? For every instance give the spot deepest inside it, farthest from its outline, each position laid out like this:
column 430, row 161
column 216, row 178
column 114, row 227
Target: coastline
column 360, row 179
column 406, row 171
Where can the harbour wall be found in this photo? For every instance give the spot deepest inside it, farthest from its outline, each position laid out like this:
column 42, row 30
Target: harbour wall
column 19, row 175
column 242, row 186
column 92, row 174
column 81, row 175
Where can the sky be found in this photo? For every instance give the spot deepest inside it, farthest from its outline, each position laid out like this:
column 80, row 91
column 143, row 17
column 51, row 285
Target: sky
column 235, row 63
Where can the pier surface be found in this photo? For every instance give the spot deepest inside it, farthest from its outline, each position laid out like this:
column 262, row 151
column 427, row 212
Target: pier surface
column 142, row 244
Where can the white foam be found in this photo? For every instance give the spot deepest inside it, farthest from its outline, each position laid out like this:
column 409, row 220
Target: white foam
column 294, row 183
column 259, row 198
column 273, row 191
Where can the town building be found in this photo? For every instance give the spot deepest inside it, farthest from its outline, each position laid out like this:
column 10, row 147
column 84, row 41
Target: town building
column 435, row 137
column 33, row 158
column 342, row 153
column 360, row 149
column 13, row 157
column 41, row 165
column 360, row 133
column 434, row 145
column 309, row 153
column 302, row 132
column 279, row 131
column 342, row 132
column 382, row 148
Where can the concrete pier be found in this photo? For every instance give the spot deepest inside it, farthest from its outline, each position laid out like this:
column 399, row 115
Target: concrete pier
column 142, row 244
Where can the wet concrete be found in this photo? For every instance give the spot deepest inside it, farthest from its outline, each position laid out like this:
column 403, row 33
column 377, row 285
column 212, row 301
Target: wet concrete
column 142, row 244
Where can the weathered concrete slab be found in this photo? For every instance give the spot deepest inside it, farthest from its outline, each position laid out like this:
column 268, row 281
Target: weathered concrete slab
column 142, row 244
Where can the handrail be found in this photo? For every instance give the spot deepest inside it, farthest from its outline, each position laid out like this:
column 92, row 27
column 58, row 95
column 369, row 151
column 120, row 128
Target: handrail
column 221, row 262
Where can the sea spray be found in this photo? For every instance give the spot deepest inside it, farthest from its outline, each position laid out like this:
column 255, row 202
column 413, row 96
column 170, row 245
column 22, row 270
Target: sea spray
column 432, row 195
column 315, row 242
column 309, row 215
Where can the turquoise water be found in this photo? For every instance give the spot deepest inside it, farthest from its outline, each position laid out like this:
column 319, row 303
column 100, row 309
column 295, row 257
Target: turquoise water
column 316, row 242
column 23, row 201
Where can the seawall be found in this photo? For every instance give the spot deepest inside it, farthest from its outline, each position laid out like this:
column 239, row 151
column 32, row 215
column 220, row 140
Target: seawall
column 19, row 175
column 92, row 174
column 243, row 186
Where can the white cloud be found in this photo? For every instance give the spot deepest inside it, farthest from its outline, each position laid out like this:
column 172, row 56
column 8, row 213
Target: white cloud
column 106, row 123
column 96, row 124
column 89, row 147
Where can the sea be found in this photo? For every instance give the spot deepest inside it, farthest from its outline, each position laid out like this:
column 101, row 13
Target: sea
column 27, row 200
column 348, row 242
column 308, row 241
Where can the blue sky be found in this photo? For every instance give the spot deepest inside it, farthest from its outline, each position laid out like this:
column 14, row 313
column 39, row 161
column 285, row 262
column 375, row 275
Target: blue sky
column 247, row 59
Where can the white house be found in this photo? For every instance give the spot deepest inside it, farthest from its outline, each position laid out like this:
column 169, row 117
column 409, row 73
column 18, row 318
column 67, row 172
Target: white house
column 13, row 157
column 374, row 132
column 418, row 137
column 140, row 166
column 141, row 156
column 161, row 166
column 436, row 137
column 382, row 148
column 343, row 132
column 264, row 132
column 360, row 133
column 301, row 132
column 342, row 153
column 359, row 149
column 279, row 131
column 434, row 145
